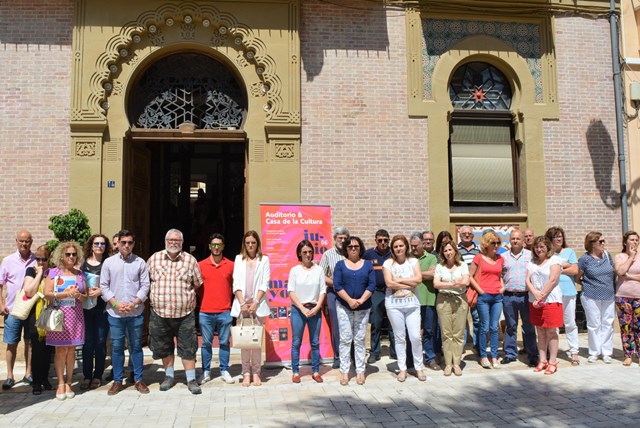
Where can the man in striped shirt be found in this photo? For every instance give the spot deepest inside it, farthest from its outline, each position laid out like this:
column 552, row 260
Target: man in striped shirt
column 328, row 262
column 174, row 276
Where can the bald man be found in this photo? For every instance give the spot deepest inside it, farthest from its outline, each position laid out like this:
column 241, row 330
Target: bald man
column 12, row 272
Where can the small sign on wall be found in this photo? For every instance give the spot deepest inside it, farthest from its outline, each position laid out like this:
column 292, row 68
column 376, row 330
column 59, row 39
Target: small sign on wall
column 111, row 184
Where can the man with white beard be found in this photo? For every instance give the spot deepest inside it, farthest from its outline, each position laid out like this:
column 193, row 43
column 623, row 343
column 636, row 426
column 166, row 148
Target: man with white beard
column 175, row 276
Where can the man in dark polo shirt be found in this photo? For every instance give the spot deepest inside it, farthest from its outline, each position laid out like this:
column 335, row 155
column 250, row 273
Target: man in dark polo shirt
column 377, row 255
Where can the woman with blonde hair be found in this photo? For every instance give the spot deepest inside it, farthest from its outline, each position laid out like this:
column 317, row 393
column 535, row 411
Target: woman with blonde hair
column 65, row 288
column 486, row 278
column 251, row 276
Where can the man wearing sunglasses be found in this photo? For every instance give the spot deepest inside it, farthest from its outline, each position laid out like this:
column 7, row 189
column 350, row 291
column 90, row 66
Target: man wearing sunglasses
column 12, row 272
column 215, row 310
column 124, row 285
column 175, row 276
column 377, row 255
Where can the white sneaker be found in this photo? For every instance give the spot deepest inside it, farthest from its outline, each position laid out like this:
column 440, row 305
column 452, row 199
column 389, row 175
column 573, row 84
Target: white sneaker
column 206, row 377
column 592, row 359
column 226, row 377
column 607, row 359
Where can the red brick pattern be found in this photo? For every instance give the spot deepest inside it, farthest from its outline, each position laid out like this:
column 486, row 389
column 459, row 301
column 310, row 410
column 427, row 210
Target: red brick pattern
column 361, row 153
column 35, row 61
column 582, row 194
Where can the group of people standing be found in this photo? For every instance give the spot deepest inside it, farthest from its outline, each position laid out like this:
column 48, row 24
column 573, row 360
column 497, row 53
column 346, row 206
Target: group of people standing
column 425, row 286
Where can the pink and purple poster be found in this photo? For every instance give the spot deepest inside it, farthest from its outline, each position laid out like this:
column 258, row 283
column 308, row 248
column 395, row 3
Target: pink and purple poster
column 283, row 227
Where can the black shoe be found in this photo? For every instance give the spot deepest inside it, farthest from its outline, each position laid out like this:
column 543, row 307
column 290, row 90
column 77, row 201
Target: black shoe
column 533, row 363
column 46, row 385
column 131, row 378
column 507, row 360
column 373, row 358
column 8, row 384
column 393, row 356
column 27, row 379
column 336, row 364
column 36, row 389
column 167, row 383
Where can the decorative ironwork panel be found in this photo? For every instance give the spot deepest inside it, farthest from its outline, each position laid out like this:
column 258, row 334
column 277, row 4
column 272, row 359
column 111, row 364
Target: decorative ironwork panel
column 187, row 88
column 479, row 86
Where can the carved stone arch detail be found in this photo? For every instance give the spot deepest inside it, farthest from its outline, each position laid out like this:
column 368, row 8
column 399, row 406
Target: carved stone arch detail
column 120, row 47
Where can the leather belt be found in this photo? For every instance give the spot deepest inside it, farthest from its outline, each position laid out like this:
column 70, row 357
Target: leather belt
column 516, row 293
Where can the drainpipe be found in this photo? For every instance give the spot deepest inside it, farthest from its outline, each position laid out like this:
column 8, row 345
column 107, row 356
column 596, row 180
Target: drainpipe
column 617, row 88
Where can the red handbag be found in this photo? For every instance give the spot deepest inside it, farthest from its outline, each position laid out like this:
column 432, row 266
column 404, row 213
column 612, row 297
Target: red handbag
column 472, row 297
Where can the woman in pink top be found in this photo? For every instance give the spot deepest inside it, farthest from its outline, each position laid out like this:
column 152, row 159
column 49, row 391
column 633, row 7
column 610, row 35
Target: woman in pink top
column 627, row 265
column 486, row 277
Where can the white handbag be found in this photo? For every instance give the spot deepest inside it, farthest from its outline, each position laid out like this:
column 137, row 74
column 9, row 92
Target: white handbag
column 247, row 336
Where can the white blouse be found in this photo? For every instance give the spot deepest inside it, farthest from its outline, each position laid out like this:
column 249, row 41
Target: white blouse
column 308, row 284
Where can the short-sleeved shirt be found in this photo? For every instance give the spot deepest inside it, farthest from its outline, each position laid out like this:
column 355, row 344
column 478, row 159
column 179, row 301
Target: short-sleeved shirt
column 468, row 255
column 628, row 287
column 514, row 271
column 12, row 272
column 447, row 275
column 328, row 263
column 597, row 276
column 567, row 284
column 354, row 282
column 488, row 275
column 425, row 291
column 400, row 298
column 308, row 284
column 377, row 259
column 173, row 284
column 539, row 276
column 217, row 285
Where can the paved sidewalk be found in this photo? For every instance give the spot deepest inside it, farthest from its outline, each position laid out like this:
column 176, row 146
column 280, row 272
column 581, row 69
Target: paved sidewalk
column 589, row 395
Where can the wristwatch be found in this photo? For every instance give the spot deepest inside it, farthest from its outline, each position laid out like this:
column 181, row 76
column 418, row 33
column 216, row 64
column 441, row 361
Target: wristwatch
column 136, row 306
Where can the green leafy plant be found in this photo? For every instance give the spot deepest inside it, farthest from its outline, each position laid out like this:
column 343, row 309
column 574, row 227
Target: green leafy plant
column 73, row 226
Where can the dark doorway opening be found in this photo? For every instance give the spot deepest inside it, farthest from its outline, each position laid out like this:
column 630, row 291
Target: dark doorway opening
column 196, row 187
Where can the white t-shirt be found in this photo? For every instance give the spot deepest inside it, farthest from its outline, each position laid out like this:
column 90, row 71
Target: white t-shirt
column 539, row 276
column 401, row 298
column 307, row 284
column 446, row 275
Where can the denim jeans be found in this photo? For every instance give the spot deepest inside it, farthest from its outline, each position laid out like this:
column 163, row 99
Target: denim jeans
column 96, row 330
column 431, row 340
column 514, row 307
column 298, row 321
column 209, row 322
column 131, row 328
column 333, row 324
column 377, row 318
column 489, row 309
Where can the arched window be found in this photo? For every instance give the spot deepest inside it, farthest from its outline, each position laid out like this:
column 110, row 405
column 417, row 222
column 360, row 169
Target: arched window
column 483, row 156
column 187, row 88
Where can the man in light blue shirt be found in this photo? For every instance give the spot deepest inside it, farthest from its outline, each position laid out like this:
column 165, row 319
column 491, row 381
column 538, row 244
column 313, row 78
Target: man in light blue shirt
column 124, row 283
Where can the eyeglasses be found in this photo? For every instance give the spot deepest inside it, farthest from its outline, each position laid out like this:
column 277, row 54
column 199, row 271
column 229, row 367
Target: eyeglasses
column 602, row 241
column 99, row 244
column 126, row 242
column 174, row 241
column 381, row 240
column 42, row 259
column 428, row 240
column 217, row 245
column 71, row 254
column 353, row 247
column 466, row 234
column 495, row 243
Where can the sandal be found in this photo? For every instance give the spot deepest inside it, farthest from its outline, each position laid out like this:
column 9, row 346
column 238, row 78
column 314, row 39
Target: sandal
column 402, row 376
column 551, row 368
column 246, row 380
column 485, row 363
column 627, row 361
column 575, row 360
column 421, row 376
column 541, row 366
column 360, row 379
column 256, row 380
column 344, row 379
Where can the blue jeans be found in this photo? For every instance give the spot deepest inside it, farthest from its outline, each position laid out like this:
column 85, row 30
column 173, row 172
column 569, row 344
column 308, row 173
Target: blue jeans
column 298, row 321
column 431, row 342
column 515, row 306
column 96, row 330
column 131, row 328
column 489, row 309
column 475, row 318
column 209, row 322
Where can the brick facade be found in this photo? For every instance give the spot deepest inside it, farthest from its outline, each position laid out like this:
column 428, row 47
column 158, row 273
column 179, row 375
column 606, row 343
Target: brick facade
column 581, row 168
column 361, row 153
column 35, row 91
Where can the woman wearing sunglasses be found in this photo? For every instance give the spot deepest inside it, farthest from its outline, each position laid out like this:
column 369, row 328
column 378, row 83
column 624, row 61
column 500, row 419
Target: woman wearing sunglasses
column 597, row 271
column 65, row 289
column 94, row 350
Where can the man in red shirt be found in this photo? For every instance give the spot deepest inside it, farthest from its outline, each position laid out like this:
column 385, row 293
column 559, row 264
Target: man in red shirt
column 215, row 310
